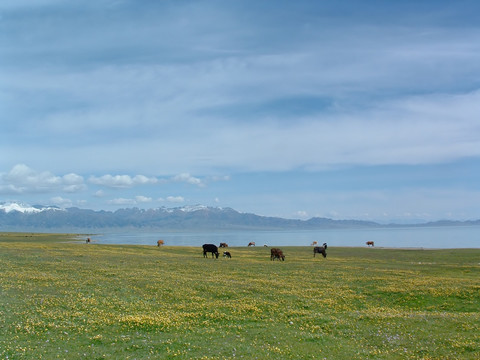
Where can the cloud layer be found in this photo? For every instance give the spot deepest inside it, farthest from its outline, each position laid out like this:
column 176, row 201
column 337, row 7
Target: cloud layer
column 239, row 101
column 189, row 92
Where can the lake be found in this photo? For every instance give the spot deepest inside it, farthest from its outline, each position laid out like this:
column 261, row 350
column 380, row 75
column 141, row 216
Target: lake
column 402, row 237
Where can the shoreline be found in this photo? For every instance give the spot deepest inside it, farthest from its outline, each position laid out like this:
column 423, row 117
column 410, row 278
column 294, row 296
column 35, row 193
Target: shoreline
column 385, row 241
column 93, row 242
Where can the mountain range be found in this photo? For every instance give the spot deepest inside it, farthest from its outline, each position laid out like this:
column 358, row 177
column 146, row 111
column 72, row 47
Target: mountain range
column 21, row 217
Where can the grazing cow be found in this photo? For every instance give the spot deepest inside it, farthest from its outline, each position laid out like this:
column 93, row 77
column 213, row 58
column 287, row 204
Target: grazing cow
column 211, row 249
column 320, row 250
column 227, row 254
column 370, row 243
column 276, row 254
column 160, row 242
column 314, row 243
column 251, row 243
column 88, row 241
column 223, row 245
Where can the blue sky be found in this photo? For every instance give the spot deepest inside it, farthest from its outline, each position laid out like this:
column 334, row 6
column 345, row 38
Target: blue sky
column 347, row 109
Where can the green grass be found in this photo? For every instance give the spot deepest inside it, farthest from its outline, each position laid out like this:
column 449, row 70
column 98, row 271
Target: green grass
column 70, row 300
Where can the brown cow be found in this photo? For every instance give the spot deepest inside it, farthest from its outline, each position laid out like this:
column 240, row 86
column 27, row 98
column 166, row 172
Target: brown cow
column 314, row 243
column 251, row 243
column 370, row 243
column 223, row 245
column 276, row 254
column 160, row 242
column 88, row 241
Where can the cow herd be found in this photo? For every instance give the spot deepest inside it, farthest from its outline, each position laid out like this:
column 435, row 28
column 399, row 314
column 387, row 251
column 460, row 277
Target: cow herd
column 275, row 253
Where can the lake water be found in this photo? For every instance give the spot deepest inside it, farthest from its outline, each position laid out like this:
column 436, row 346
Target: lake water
column 404, row 237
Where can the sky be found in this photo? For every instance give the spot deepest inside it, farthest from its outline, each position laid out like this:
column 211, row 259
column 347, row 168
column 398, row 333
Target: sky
column 363, row 110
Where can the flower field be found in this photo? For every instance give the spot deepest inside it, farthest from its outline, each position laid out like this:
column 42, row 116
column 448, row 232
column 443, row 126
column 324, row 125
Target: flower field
column 64, row 299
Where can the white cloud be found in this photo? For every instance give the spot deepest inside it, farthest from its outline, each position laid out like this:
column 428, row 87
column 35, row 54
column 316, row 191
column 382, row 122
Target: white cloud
column 122, row 201
column 143, row 180
column 175, row 199
column 122, row 181
column 143, row 199
column 186, row 177
column 22, row 179
column 99, row 194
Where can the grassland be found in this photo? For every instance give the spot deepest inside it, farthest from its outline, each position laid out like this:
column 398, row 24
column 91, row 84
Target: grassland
column 68, row 300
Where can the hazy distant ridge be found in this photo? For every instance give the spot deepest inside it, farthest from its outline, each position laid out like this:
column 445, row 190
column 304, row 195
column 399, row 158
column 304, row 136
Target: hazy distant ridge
column 181, row 218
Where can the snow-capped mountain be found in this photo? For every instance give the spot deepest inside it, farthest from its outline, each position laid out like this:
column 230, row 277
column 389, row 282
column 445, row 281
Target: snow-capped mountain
column 24, row 208
column 20, row 217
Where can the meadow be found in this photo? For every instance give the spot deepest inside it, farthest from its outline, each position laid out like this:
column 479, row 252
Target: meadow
column 65, row 299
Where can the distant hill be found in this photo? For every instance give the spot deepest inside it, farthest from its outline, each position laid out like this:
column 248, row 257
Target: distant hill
column 22, row 217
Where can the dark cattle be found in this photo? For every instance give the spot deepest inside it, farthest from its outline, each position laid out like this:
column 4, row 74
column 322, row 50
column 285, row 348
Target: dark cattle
column 276, row 254
column 88, row 241
column 211, row 249
column 251, row 244
column 320, row 250
column 370, row 243
column 223, row 245
column 227, row 254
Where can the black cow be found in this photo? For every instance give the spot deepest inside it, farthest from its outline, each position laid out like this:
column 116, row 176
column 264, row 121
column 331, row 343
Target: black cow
column 211, row 249
column 227, row 254
column 320, row 250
